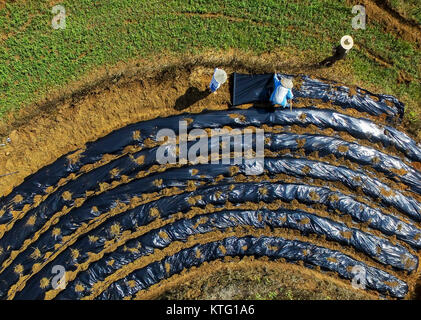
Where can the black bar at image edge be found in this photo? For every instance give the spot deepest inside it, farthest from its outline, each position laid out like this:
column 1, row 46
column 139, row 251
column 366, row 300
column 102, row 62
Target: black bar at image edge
column 214, row 309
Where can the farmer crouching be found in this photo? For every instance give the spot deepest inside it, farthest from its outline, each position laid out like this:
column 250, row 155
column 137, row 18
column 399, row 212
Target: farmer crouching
column 282, row 91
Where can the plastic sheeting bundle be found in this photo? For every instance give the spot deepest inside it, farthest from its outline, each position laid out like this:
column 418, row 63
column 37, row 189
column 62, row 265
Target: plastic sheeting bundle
column 257, row 88
column 337, row 192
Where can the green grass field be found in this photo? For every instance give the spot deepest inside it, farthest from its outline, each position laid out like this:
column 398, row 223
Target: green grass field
column 410, row 9
column 36, row 59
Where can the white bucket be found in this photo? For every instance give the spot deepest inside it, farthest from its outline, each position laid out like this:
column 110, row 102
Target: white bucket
column 347, row 42
column 218, row 79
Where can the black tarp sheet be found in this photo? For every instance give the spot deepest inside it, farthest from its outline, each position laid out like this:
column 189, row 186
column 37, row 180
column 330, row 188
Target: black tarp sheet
column 239, row 194
column 255, row 88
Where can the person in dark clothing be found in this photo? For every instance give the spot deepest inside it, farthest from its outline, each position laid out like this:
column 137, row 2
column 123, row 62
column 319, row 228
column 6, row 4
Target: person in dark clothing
column 339, row 53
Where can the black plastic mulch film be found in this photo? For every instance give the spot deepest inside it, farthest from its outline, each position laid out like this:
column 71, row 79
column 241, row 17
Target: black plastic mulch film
column 371, row 208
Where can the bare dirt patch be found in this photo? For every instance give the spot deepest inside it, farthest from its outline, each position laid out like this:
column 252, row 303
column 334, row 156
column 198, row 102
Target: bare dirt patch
column 392, row 21
column 255, row 279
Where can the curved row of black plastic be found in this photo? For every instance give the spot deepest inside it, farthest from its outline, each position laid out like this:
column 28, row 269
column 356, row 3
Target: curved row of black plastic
column 361, row 101
column 356, row 153
column 251, row 88
column 178, row 178
column 182, row 229
column 89, row 182
column 291, row 250
column 378, row 248
column 116, row 141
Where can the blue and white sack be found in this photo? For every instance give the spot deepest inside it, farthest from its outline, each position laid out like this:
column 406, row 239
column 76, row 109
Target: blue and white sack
column 218, row 79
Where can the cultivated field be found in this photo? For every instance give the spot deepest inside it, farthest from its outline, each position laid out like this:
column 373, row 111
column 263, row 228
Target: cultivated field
column 119, row 64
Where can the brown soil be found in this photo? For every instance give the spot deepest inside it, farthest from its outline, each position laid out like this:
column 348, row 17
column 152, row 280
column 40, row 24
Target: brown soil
column 392, row 21
column 253, row 279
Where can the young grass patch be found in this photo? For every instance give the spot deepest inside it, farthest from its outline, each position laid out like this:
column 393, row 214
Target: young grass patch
column 36, row 59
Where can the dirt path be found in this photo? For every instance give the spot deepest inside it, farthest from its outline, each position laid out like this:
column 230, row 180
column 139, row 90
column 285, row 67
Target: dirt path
column 393, row 22
column 386, row 6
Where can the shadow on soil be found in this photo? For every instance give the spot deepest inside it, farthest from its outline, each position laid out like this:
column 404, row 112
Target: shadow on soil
column 417, row 292
column 191, row 96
